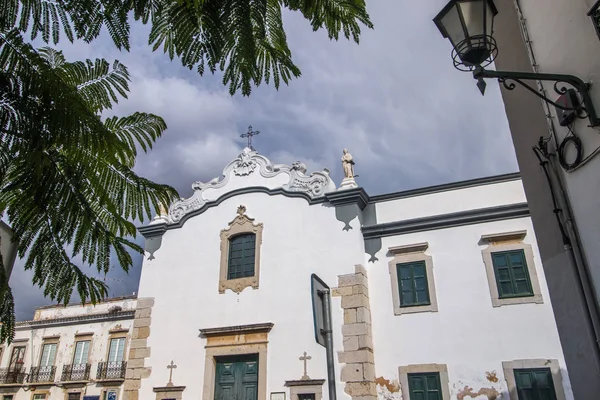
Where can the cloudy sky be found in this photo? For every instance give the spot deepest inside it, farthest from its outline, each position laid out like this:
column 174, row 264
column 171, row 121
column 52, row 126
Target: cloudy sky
column 395, row 101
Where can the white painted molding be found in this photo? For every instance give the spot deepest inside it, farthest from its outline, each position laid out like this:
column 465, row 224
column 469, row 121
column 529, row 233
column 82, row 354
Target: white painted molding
column 250, row 162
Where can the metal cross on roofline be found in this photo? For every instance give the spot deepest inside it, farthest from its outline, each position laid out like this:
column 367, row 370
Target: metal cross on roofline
column 249, row 136
column 305, row 358
column 171, row 367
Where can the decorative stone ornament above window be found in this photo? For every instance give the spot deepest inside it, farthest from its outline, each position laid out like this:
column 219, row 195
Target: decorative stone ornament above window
column 413, row 283
column 510, row 269
column 241, row 272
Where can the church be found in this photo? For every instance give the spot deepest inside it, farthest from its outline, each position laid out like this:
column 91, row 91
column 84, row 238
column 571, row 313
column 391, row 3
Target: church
column 436, row 293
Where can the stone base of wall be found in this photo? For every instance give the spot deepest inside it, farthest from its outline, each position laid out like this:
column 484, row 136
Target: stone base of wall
column 359, row 371
column 138, row 349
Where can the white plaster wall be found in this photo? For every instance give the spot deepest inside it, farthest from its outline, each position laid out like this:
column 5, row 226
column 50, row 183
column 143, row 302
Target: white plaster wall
column 471, row 198
column 467, row 334
column 298, row 240
column 66, row 347
column 565, row 42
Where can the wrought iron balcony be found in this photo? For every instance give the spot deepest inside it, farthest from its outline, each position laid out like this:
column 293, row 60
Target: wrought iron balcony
column 75, row 372
column 41, row 374
column 14, row 376
column 111, row 370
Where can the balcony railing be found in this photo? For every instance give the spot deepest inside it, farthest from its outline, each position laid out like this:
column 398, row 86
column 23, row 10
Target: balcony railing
column 41, row 374
column 13, row 375
column 75, row 372
column 111, row 370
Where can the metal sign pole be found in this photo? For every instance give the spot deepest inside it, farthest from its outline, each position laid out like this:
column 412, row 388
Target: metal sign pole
column 327, row 332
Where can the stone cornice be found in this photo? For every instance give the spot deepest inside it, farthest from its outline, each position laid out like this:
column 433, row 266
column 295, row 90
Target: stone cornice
column 80, row 319
column 227, row 330
column 305, row 382
column 167, row 388
column 469, row 217
column 356, row 196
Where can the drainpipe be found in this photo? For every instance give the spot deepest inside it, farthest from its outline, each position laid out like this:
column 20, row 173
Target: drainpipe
column 572, row 245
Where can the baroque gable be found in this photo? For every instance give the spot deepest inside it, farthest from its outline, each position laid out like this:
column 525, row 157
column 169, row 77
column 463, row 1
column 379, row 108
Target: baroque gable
column 248, row 170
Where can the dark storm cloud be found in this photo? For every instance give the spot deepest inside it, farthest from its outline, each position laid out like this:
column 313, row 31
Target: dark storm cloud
column 395, row 101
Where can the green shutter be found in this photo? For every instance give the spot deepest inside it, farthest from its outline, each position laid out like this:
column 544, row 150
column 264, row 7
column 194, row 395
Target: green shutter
column 535, row 384
column 425, row 386
column 241, row 256
column 512, row 275
column 412, row 284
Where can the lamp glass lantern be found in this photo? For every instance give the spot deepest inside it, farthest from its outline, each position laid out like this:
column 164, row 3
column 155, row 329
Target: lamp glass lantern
column 469, row 25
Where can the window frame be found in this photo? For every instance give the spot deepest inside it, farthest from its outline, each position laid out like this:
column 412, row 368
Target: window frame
column 44, row 344
column 407, row 254
column 506, row 255
column 241, row 224
column 509, row 367
column 229, row 255
column 411, row 265
column 510, row 241
column 441, row 369
column 78, row 340
column 12, row 349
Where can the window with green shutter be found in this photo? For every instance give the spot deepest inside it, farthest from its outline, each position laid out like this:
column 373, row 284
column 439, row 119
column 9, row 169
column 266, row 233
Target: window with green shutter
column 412, row 284
column 241, row 256
column 535, row 384
column 512, row 275
column 425, row 386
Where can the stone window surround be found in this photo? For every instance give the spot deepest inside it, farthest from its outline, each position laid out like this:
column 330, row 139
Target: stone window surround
column 312, row 386
column 406, row 254
column 19, row 343
column 509, row 374
column 228, row 342
column 117, row 335
column 71, row 391
column 240, row 224
column 87, row 337
column 442, row 369
column 508, row 241
column 44, row 392
column 48, row 340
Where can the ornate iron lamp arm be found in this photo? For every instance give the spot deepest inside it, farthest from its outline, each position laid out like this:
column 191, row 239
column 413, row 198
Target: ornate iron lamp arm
column 509, row 78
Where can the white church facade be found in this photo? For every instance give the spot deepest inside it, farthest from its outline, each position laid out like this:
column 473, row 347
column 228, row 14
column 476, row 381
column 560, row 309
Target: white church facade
column 437, row 293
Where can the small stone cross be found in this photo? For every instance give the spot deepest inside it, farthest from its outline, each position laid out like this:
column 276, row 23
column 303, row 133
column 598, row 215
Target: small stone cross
column 305, row 358
column 170, row 367
column 249, row 135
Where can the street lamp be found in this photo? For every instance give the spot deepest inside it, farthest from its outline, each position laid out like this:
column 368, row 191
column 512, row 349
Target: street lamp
column 469, row 25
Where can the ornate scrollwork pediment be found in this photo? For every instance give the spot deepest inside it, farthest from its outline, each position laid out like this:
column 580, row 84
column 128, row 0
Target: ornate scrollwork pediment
column 247, row 163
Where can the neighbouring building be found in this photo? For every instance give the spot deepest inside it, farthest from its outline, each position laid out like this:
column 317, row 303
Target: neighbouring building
column 560, row 37
column 437, row 293
column 69, row 353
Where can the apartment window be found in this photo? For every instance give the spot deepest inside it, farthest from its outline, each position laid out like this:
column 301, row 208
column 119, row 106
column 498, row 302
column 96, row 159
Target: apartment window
column 413, row 286
column 7, row 397
column 17, row 358
column 595, row 16
column 425, row 386
column 48, row 355
column 535, row 384
column 241, row 256
column 512, row 277
column 116, row 350
column 412, row 283
column 40, row 396
column 510, row 269
column 74, row 396
column 538, row 379
column 240, row 253
column 425, row 381
column 82, row 349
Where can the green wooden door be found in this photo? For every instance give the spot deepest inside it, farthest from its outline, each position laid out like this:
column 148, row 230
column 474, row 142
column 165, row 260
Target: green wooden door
column 237, row 378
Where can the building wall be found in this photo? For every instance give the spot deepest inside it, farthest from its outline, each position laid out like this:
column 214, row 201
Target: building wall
column 467, row 334
column 32, row 336
column 563, row 40
column 298, row 239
